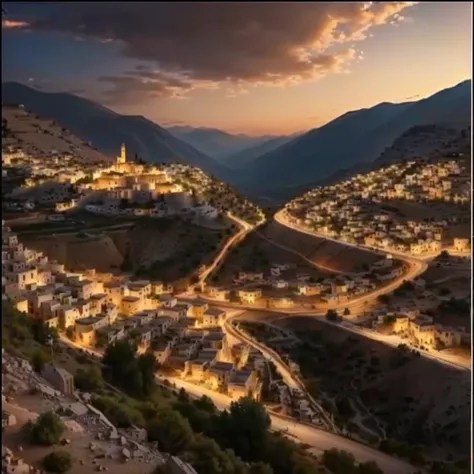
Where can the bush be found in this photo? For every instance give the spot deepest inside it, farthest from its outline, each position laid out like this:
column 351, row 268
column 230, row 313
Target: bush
column 120, row 414
column 47, row 430
column 39, row 359
column 57, row 462
column 172, row 431
column 339, row 462
column 89, row 379
column 332, row 315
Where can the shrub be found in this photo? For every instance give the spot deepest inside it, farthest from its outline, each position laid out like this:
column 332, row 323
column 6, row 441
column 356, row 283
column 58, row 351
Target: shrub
column 57, row 462
column 47, row 430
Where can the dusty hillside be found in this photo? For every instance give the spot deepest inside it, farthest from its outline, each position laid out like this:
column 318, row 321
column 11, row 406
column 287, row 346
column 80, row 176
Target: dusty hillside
column 40, row 136
column 409, row 397
column 77, row 251
column 320, row 251
column 256, row 254
column 163, row 249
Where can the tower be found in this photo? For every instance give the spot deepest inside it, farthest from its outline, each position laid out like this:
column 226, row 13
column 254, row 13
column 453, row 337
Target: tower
column 123, row 155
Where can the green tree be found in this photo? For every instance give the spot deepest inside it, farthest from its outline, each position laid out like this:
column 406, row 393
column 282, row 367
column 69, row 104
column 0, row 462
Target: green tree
column 332, row 315
column 200, row 420
column 89, row 379
column 206, row 456
column 147, row 366
column 119, row 412
column 260, row 468
column 245, row 429
column 57, row 462
column 47, row 429
column 122, row 368
column 172, row 431
column 339, row 462
column 369, row 467
column 205, row 403
column 39, row 359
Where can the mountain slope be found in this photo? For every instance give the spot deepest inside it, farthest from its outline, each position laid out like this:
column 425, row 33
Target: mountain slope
column 354, row 138
column 244, row 157
column 106, row 130
column 216, row 143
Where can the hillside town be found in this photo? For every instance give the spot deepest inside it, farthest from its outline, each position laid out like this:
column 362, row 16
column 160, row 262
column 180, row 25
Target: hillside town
column 283, row 287
column 96, row 310
column 61, row 181
column 362, row 210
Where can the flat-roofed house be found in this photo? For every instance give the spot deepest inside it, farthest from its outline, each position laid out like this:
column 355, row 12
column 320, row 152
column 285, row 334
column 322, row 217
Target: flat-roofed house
column 250, row 296
column 213, row 317
column 218, row 374
column 199, row 308
column 131, row 305
column 140, row 289
column 242, row 383
column 85, row 328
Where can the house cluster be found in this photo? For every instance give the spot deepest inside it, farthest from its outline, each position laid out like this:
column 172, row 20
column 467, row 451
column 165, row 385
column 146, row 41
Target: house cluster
column 250, row 286
column 97, row 309
column 124, row 188
column 420, row 329
column 353, row 210
column 41, row 169
column 213, row 364
column 157, row 191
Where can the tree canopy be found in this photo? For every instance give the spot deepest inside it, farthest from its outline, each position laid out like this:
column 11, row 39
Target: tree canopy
column 47, row 430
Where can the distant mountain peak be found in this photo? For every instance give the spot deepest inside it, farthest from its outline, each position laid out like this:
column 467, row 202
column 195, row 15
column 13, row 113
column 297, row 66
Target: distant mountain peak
column 106, row 129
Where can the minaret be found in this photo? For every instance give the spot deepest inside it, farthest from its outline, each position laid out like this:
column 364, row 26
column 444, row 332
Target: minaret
column 123, row 154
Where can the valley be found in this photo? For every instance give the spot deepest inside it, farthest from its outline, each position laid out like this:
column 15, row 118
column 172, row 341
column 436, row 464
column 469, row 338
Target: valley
column 184, row 298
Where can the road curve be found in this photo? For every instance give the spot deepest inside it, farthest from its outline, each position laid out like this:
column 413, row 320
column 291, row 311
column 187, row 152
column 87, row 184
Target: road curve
column 319, row 440
column 245, row 228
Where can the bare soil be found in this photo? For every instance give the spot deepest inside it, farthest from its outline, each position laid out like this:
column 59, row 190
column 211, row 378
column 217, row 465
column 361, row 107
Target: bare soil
column 165, row 249
column 39, row 136
column 322, row 252
column 256, row 254
column 414, row 399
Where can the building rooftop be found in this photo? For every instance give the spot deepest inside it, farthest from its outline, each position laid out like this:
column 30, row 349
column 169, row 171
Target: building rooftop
column 130, row 299
column 221, row 367
column 214, row 312
column 90, row 320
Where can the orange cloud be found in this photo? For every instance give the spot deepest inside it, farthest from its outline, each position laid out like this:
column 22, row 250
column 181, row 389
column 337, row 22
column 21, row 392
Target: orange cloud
column 10, row 24
column 231, row 45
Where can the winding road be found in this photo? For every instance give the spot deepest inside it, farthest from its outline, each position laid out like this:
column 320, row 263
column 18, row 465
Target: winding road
column 318, row 440
column 245, row 228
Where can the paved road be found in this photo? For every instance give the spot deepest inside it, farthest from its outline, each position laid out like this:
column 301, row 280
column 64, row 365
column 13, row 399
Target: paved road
column 245, row 228
column 319, row 440
column 292, row 380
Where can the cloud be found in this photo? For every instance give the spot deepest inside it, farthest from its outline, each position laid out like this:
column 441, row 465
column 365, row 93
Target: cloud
column 229, row 45
column 10, row 24
column 145, row 84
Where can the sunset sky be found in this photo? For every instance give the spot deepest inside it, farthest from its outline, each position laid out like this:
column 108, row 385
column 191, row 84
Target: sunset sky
column 241, row 67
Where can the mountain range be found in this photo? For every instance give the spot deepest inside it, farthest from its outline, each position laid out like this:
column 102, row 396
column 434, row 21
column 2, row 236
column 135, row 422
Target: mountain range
column 354, row 138
column 265, row 168
column 216, row 143
column 106, row 130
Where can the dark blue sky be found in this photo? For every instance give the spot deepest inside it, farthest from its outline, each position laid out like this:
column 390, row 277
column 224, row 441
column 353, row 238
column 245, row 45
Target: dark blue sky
column 242, row 67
